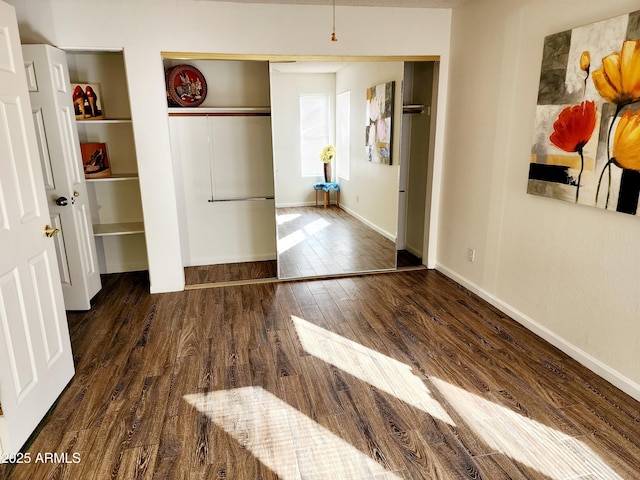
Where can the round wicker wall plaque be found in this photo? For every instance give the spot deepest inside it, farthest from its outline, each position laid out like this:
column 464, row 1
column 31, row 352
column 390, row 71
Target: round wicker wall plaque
column 186, row 86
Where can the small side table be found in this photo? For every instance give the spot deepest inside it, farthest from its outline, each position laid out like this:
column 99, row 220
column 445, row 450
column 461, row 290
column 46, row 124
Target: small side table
column 326, row 188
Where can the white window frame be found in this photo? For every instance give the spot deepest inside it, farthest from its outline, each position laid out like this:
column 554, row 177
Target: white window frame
column 343, row 134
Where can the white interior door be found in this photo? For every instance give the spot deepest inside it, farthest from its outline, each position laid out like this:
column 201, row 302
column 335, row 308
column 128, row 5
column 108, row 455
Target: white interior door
column 36, row 361
column 54, row 119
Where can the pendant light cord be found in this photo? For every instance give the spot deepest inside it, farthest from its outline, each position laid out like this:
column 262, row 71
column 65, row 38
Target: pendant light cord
column 333, row 33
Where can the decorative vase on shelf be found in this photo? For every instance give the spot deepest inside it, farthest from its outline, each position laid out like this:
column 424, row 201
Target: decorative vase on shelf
column 327, row 172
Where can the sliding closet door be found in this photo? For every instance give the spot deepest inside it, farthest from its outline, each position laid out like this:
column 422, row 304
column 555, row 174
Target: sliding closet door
column 224, row 175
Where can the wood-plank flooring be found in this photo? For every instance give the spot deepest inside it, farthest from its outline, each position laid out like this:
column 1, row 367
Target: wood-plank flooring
column 345, row 246
column 398, row 376
column 324, row 241
column 230, row 272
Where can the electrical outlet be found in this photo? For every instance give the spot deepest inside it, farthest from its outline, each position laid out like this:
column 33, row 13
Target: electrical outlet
column 471, row 254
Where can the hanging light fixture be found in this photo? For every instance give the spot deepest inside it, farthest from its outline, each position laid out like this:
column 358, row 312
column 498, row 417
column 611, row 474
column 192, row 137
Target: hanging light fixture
column 333, row 33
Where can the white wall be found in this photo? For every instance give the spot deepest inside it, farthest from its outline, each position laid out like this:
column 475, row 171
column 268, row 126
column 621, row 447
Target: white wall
column 146, row 27
column 36, row 28
column 371, row 193
column 568, row 272
column 292, row 189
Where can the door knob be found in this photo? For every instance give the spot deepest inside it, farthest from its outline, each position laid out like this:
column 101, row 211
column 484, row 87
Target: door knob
column 50, row 231
column 62, row 201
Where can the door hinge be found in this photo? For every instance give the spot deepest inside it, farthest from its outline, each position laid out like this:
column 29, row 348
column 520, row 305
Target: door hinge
column 0, row 409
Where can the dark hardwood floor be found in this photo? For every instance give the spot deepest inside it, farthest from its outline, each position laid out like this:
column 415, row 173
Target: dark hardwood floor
column 399, row 376
column 342, row 245
column 323, row 241
column 230, row 272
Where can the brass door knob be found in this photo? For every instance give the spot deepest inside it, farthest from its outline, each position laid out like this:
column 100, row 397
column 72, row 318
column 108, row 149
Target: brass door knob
column 50, row 231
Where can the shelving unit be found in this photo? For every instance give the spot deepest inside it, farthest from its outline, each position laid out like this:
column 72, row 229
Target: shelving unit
column 220, row 111
column 413, row 109
column 105, row 121
column 107, row 229
column 116, row 205
column 114, row 178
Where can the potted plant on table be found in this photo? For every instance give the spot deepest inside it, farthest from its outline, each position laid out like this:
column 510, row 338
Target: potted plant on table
column 326, row 155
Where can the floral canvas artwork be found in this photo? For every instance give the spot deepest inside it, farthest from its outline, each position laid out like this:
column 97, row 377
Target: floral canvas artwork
column 379, row 118
column 586, row 144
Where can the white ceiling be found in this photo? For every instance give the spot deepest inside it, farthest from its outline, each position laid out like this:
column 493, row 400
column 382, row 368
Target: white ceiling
column 362, row 3
column 332, row 67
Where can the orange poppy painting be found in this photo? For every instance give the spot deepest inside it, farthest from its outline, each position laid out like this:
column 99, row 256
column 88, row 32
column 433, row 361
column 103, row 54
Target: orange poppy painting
column 586, row 144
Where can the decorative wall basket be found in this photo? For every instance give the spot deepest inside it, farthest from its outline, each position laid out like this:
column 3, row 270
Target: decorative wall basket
column 186, row 86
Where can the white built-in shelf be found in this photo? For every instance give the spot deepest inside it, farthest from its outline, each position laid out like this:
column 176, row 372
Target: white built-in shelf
column 115, row 177
column 104, row 121
column 414, row 108
column 107, row 229
column 221, row 111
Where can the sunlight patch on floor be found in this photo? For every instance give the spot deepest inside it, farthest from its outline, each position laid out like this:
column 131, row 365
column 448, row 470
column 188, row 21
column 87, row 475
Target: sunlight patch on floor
column 315, row 226
column 286, row 217
column 298, row 236
column 285, row 440
column 296, row 447
column 545, row 449
column 374, row 368
column 290, row 241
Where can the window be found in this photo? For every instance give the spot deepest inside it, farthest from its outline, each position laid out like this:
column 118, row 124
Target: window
column 343, row 134
column 314, row 132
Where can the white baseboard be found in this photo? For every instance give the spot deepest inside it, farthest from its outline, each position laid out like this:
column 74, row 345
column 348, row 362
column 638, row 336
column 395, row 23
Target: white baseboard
column 612, row 376
column 167, row 287
column 375, row 227
column 296, row 204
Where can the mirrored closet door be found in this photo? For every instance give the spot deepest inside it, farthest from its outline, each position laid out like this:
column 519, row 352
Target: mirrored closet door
column 255, row 201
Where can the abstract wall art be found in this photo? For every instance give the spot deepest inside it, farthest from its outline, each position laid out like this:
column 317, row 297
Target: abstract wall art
column 586, row 142
column 379, row 121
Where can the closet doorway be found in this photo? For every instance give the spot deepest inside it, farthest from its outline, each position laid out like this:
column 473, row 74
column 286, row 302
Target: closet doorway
column 238, row 238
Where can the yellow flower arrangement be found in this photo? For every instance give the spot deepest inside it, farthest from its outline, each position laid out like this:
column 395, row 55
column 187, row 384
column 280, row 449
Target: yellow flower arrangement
column 327, row 153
